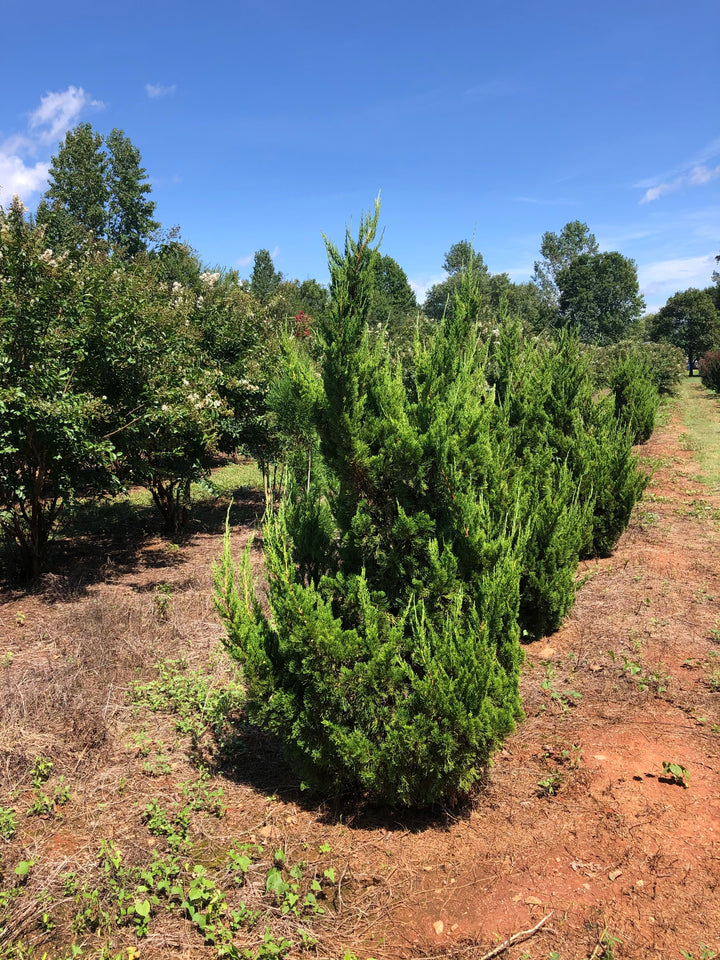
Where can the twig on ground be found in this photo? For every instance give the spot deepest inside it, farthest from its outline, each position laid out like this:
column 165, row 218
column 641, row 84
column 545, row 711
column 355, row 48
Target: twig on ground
column 516, row 938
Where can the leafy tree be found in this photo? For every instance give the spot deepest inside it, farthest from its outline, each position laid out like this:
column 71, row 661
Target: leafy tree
column 175, row 262
column 600, row 296
column 459, row 258
column 690, row 321
column 393, row 299
column 265, row 279
column 558, row 251
column 130, row 212
column 55, row 418
column 97, row 186
column 308, row 296
column 78, row 179
column 523, row 300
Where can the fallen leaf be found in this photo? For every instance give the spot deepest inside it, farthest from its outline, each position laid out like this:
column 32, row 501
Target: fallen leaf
column 614, row 874
column 534, row 902
column 438, row 927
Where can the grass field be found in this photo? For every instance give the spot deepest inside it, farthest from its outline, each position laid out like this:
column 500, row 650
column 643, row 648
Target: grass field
column 703, row 431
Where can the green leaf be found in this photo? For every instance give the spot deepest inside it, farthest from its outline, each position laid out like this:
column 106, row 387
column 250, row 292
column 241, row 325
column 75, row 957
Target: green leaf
column 275, row 883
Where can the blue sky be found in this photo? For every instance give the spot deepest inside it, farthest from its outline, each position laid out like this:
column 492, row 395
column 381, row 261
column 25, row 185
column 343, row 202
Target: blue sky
column 267, row 125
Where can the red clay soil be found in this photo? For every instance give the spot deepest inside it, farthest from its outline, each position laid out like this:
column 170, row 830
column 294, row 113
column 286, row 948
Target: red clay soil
column 578, row 820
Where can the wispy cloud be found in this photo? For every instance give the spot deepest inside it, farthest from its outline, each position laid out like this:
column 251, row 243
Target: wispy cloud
column 21, row 172
column 421, row 285
column 244, row 261
column 157, row 90
column 58, row 112
column 694, row 173
column 662, row 278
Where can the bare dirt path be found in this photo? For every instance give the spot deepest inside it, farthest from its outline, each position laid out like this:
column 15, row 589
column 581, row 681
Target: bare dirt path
column 579, row 817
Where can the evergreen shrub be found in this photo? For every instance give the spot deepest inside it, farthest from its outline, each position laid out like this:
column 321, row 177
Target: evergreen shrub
column 636, row 396
column 432, row 516
column 396, row 673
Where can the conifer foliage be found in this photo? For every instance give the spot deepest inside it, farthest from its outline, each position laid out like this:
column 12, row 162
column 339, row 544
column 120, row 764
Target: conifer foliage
column 396, row 673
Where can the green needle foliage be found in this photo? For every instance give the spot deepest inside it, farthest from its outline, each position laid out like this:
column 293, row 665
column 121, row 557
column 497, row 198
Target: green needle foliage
column 636, row 396
column 395, row 673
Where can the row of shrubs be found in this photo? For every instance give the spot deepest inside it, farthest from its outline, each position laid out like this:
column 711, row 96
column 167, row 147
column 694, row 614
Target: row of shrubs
column 433, row 520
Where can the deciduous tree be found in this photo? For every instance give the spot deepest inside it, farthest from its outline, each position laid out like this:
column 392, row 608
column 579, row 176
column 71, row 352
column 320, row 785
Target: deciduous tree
column 460, row 257
column 557, row 252
column 130, row 211
column 600, row 297
column 690, row 321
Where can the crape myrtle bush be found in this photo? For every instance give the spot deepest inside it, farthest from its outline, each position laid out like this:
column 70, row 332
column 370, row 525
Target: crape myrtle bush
column 432, row 517
column 709, row 367
column 105, row 380
column 663, row 363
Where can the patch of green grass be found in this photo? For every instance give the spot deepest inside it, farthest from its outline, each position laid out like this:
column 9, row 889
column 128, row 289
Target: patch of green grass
column 228, row 479
column 699, row 411
column 136, row 509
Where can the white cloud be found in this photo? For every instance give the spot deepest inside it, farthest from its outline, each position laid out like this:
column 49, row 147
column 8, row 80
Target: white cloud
column 662, row 188
column 156, row 90
column 421, row 286
column 20, row 172
column 244, row 261
column 701, row 174
column 275, row 253
column 694, row 173
column 58, row 112
column 16, row 177
column 662, row 278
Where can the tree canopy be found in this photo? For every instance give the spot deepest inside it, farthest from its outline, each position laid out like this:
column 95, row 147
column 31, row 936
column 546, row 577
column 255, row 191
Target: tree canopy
column 97, row 186
column 600, row 296
column 265, row 279
column 459, row 258
column 690, row 321
column 558, row 250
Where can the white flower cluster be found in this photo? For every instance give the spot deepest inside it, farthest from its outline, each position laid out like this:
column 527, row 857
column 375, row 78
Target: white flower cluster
column 209, row 279
column 48, row 257
column 250, row 387
column 199, row 402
